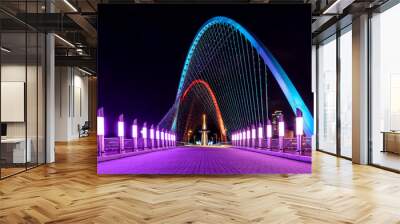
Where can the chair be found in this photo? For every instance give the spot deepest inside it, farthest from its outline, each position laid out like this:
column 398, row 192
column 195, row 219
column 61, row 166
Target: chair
column 84, row 130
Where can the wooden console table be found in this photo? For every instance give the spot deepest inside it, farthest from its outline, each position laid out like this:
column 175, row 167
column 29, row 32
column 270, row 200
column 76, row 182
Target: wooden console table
column 13, row 150
column 391, row 141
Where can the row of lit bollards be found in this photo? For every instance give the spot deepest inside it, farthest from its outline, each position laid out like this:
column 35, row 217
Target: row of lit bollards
column 152, row 138
column 253, row 136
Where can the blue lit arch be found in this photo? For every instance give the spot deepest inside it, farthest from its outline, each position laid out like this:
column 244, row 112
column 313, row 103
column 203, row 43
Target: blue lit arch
column 291, row 93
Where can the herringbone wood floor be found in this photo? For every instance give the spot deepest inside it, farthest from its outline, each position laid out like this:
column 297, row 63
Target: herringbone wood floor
column 70, row 191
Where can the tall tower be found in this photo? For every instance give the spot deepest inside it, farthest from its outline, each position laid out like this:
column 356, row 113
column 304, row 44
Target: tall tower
column 204, row 136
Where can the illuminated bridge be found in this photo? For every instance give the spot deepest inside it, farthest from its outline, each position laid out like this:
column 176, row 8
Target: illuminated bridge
column 225, row 78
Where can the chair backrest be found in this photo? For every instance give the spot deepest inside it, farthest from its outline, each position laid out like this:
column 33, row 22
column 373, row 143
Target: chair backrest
column 86, row 125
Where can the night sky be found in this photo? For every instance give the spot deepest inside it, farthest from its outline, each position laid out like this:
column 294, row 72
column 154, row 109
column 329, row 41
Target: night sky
column 142, row 48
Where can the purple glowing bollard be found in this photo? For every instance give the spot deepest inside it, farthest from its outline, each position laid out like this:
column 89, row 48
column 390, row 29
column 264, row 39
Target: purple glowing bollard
column 167, row 139
column 170, row 139
column 269, row 134
column 253, row 136
column 175, row 140
column 260, row 136
column 151, row 136
column 243, row 143
column 236, row 138
column 100, row 131
column 243, row 138
column 299, row 130
column 248, row 137
column 135, row 134
column 162, row 138
column 100, row 126
column 281, row 132
column 158, row 137
column 144, row 135
column 239, row 138
column 121, row 133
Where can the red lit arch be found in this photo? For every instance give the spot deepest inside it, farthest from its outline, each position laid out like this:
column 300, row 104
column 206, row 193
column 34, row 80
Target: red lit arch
column 214, row 99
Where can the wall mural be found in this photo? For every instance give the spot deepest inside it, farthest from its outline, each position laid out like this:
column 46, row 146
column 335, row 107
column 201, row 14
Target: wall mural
column 204, row 89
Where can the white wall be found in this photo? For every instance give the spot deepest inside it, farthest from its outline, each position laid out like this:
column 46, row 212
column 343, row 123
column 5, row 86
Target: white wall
column 71, row 102
column 16, row 72
column 33, row 127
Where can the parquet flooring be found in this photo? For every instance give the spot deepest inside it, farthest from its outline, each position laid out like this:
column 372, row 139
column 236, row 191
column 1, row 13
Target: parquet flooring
column 70, row 191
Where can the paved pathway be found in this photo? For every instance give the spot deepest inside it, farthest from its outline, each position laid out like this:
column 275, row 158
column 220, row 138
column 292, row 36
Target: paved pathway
column 203, row 160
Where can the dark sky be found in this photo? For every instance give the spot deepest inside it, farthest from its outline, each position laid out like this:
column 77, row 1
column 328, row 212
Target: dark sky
column 142, row 48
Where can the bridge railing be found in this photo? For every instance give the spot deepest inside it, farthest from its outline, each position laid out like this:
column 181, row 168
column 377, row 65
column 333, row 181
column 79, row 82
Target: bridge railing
column 284, row 145
column 147, row 139
column 113, row 146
